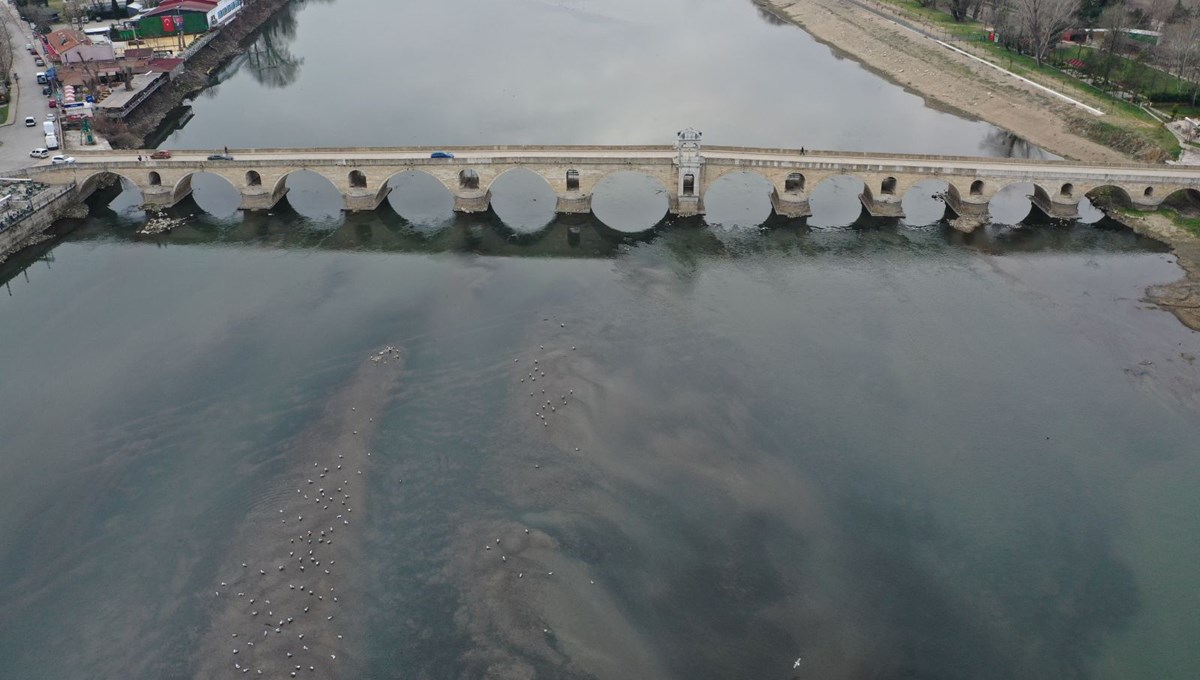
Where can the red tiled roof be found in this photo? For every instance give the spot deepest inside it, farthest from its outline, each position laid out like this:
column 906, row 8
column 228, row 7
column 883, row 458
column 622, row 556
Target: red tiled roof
column 165, row 64
column 65, row 39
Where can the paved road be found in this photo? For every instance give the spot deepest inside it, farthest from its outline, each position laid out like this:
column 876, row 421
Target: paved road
column 16, row 140
column 816, row 160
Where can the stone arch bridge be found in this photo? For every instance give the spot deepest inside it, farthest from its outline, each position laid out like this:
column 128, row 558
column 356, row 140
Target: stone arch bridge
column 685, row 171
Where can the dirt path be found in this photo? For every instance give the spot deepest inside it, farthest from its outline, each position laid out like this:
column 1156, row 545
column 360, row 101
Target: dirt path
column 946, row 79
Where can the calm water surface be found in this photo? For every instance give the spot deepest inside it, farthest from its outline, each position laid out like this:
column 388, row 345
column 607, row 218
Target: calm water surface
column 879, row 446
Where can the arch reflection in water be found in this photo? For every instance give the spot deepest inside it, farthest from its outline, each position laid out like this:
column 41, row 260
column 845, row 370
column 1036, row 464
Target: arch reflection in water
column 630, row 202
column 215, row 195
column 423, row 201
column 117, row 194
column 523, row 200
column 923, row 203
column 1011, row 205
column 738, row 200
column 313, row 196
column 835, row 202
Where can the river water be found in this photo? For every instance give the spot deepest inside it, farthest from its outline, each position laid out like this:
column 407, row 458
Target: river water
column 847, row 449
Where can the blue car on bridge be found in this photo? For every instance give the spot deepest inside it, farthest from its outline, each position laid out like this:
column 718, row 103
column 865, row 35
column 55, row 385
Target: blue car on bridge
column 441, row 154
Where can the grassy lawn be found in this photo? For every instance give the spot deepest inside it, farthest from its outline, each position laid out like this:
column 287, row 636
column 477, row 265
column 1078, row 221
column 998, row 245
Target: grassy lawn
column 1191, row 224
column 1126, row 128
column 1188, row 223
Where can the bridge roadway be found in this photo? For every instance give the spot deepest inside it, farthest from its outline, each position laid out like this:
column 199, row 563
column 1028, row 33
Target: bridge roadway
column 685, row 170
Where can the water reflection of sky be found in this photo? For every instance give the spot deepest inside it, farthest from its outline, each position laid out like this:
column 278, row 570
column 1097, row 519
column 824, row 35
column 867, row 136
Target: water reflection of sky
column 548, row 71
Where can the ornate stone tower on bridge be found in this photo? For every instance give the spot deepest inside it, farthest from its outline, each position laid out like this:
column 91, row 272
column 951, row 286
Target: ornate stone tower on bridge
column 689, row 168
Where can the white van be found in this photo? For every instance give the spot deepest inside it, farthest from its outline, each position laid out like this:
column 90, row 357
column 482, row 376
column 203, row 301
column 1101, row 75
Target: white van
column 41, row 77
column 51, row 142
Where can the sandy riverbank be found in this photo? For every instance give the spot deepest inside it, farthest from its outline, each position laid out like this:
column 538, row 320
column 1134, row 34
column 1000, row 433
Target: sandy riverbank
column 944, row 78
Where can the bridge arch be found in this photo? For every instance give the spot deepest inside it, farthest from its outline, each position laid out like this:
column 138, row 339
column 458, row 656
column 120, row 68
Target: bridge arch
column 1106, row 194
column 310, row 193
column 520, row 170
column 794, row 183
column 739, row 198
column 253, row 179
column 523, row 199
column 213, row 192
column 1013, row 203
column 357, row 179
column 837, row 200
column 1186, row 197
column 631, row 201
column 929, row 201
column 422, row 199
column 91, row 183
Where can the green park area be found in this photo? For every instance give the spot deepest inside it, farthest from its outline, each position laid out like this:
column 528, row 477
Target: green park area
column 1122, row 80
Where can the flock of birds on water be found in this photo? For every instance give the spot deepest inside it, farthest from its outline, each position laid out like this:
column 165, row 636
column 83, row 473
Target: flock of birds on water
column 297, row 625
column 305, row 544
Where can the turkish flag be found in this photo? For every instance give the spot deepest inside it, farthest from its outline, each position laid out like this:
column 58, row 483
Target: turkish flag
column 168, row 24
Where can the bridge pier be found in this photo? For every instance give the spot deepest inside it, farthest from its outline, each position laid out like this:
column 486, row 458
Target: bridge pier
column 573, row 203
column 1058, row 207
column 473, row 202
column 160, row 195
column 364, row 201
column 790, row 204
column 262, row 200
column 973, row 206
column 686, row 206
column 883, row 206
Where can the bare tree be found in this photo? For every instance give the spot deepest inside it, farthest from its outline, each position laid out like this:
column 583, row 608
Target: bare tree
column 6, row 51
column 1041, row 23
column 1115, row 21
column 1181, row 46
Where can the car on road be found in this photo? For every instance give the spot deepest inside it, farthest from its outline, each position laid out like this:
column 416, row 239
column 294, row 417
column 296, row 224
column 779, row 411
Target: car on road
column 441, row 154
column 62, row 160
column 220, row 157
column 40, row 153
column 158, row 155
column 46, row 91
column 29, row 46
column 53, row 103
column 50, row 117
column 29, row 121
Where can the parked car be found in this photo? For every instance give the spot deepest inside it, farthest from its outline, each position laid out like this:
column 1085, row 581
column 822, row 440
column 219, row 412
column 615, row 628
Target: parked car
column 62, row 160
column 46, row 91
column 50, row 117
column 53, row 103
column 39, row 62
column 40, row 153
column 29, row 47
column 158, row 155
column 220, row 157
column 441, row 154
column 29, row 121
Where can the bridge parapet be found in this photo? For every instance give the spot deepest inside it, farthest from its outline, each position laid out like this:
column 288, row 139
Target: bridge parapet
column 686, row 171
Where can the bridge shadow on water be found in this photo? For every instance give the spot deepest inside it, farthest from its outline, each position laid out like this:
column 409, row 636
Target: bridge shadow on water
column 690, row 240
